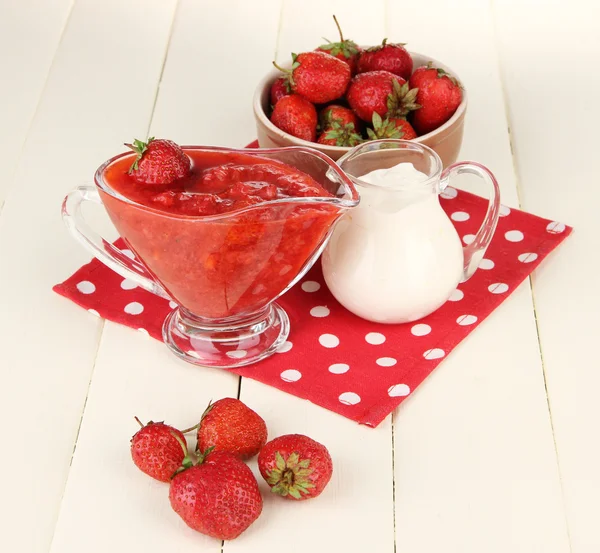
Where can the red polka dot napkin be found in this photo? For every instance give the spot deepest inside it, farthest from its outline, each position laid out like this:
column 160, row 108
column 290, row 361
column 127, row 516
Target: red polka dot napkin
column 356, row 368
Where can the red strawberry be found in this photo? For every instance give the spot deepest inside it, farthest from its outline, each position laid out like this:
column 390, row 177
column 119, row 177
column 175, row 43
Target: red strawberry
column 338, row 114
column 218, row 497
column 345, row 50
column 279, row 89
column 295, row 466
column 295, row 115
column 158, row 162
column 387, row 57
column 229, row 425
column 391, row 127
column 156, row 451
column 380, row 92
column 317, row 76
column 439, row 95
column 340, row 135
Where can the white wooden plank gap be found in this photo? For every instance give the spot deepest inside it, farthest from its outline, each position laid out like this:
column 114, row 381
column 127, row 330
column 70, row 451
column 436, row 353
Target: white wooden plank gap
column 468, row 461
column 30, row 32
column 94, row 95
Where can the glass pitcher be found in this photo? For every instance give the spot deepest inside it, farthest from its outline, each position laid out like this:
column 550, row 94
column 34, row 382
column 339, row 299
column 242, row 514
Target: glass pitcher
column 397, row 257
column 223, row 271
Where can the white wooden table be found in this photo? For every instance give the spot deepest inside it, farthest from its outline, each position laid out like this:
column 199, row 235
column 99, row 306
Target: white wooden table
column 497, row 452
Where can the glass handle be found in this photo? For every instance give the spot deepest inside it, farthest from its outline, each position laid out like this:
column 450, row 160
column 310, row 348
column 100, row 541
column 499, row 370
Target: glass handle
column 474, row 252
column 102, row 249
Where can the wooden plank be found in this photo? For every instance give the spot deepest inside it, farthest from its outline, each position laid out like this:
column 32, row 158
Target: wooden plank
column 100, row 89
column 558, row 178
column 30, row 31
column 355, row 513
column 474, row 456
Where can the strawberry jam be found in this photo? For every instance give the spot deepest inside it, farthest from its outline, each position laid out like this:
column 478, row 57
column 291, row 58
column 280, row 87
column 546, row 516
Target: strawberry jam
column 217, row 240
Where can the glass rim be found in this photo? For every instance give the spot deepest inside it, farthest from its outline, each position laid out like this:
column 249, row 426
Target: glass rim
column 340, row 203
column 398, row 144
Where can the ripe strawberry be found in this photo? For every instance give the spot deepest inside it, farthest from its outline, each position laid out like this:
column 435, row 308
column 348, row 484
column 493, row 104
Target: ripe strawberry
column 295, row 466
column 317, row 76
column 279, row 89
column 156, row 451
column 387, row 57
column 380, row 92
column 218, row 497
column 158, row 162
column 338, row 114
column 295, row 115
column 230, row 425
column 340, row 135
column 346, row 50
column 439, row 94
column 394, row 127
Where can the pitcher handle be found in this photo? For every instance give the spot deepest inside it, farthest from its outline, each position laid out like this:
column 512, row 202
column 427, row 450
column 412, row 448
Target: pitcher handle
column 103, row 250
column 474, row 252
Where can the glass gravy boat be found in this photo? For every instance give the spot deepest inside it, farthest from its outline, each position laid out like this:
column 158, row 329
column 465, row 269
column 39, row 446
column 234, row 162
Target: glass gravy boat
column 223, row 271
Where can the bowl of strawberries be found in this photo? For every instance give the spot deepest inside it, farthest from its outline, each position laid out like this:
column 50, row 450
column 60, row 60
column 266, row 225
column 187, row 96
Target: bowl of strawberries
column 343, row 94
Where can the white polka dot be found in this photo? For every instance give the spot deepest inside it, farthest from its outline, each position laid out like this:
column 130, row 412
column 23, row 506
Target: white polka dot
column 468, row 238
column 398, row 390
column 134, row 308
column 457, row 295
column 375, row 338
column 504, row 211
column 144, row 331
column 237, row 354
column 514, row 236
column 329, row 340
column 420, row 329
column 310, row 286
column 94, row 312
column 128, row 253
column 285, row 347
column 386, row 361
column 128, row 284
column 339, row 368
column 435, row 353
column 86, row 287
column 449, row 193
column 291, row 375
column 173, row 305
column 349, row 398
column 555, row 227
column 486, row 264
column 466, row 320
column 460, row 216
column 528, row 257
column 319, row 311
column 498, row 288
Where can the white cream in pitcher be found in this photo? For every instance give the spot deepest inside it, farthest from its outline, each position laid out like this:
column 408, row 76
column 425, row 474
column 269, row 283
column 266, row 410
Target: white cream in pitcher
column 396, row 257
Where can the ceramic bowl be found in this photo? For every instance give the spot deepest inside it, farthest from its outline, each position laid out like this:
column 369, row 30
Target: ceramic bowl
column 445, row 140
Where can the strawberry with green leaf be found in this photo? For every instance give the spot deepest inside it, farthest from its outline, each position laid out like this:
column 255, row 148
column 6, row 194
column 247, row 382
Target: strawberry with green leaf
column 158, row 162
column 386, row 57
column 337, row 134
column 346, row 50
column 394, row 127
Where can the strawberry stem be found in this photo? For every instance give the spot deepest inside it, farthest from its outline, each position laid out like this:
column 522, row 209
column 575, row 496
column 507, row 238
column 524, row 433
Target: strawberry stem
column 139, row 422
column 187, row 461
column 190, row 429
column 289, row 71
column 339, row 28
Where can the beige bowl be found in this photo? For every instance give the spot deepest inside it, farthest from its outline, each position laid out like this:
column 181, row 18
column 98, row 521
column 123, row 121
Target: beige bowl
column 445, row 140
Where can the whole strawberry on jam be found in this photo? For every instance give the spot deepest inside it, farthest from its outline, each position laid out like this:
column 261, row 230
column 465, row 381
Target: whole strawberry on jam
column 295, row 466
column 230, row 425
column 158, row 162
column 386, row 57
column 318, row 77
column 156, row 450
column 394, row 127
column 279, row 89
column 346, row 50
column 295, row 115
column 380, row 92
column 218, row 497
column 439, row 95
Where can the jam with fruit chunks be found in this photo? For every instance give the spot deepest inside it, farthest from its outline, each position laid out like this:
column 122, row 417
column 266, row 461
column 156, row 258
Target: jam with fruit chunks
column 234, row 263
